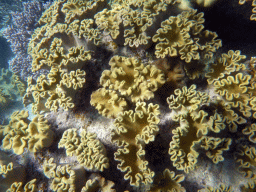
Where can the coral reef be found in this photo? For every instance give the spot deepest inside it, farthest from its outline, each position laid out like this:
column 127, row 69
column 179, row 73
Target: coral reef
column 129, row 95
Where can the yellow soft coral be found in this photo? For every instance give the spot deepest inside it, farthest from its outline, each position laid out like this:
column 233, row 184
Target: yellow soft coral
column 10, row 171
column 131, row 78
column 39, row 134
column 215, row 147
column 182, row 147
column 235, row 90
column 186, row 99
column 4, row 169
column 110, row 20
column 168, row 181
column 195, row 124
column 63, row 177
column 253, row 16
column 183, row 36
column 245, row 156
column 17, row 187
column 250, row 130
column 108, row 103
column 172, row 36
column 73, row 8
column 98, row 183
column 226, row 64
column 89, row 151
column 73, row 79
column 123, row 75
column 134, row 130
column 63, row 55
column 54, row 91
column 22, row 133
column 221, row 188
column 205, row 3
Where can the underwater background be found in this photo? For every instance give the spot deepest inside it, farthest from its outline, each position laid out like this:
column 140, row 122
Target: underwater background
column 127, row 95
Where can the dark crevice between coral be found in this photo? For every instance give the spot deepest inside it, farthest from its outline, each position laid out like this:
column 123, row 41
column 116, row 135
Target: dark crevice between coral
column 232, row 23
column 157, row 154
column 202, row 81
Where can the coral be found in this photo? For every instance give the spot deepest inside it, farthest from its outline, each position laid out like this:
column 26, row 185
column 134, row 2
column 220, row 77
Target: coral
column 49, row 168
column 22, row 133
column 253, row 15
column 195, row 129
column 39, row 134
column 186, row 107
column 133, row 131
column 215, row 147
column 63, row 61
column 231, row 80
column 98, row 183
column 235, row 89
column 63, row 177
column 168, row 182
column 172, row 35
column 124, row 57
column 29, row 187
column 248, row 187
column 250, row 130
column 108, row 102
column 186, row 98
column 54, row 91
column 205, row 3
column 7, row 7
column 18, row 33
column 4, row 169
column 10, row 171
column 70, row 35
column 131, row 23
column 221, row 188
column 245, row 156
column 183, row 35
column 11, row 88
column 131, row 78
column 110, row 20
column 136, row 25
column 89, row 151
column 140, row 125
column 182, row 147
column 173, row 70
column 225, row 64
column 74, row 78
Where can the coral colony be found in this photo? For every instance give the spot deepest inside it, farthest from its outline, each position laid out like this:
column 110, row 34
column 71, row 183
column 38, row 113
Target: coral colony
column 126, row 95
